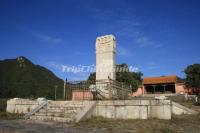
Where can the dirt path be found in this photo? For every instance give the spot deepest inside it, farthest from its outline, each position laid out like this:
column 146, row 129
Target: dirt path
column 21, row 126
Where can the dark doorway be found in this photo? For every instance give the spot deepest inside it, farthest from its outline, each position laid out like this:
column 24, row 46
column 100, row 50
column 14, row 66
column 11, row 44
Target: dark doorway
column 159, row 89
column 170, row 89
column 149, row 89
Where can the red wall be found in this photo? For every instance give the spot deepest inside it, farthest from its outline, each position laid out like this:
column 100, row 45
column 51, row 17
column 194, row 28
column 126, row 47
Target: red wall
column 80, row 95
column 139, row 92
column 180, row 88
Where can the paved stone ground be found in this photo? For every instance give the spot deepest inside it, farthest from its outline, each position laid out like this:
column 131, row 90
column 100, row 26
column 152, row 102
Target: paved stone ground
column 24, row 126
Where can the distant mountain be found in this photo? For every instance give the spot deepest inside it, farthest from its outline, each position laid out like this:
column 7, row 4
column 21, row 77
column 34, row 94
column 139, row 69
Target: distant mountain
column 21, row 78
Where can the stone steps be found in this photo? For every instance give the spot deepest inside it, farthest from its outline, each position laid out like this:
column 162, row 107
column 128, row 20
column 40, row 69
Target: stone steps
column 52, row 118
column 58, row 112
column 70, row 108
column 51, row 112
column 55, row 114
column 65, row 106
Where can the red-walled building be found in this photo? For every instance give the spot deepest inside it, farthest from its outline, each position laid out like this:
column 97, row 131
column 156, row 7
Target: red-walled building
column 161, row 85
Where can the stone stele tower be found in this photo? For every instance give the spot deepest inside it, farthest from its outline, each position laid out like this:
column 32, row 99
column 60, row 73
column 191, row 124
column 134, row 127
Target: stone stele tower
column 105, row 58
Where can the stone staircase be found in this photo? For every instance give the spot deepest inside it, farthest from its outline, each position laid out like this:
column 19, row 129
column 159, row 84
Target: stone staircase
column 178, row 109
column 59, row 111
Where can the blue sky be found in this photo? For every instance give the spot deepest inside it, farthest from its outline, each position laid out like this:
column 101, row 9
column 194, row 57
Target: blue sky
column 159, row 37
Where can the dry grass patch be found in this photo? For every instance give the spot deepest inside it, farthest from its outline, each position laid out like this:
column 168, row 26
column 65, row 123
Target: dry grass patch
column 184, row 123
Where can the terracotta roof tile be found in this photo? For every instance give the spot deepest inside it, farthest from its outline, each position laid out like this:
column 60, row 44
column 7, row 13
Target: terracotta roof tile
column 160, row 80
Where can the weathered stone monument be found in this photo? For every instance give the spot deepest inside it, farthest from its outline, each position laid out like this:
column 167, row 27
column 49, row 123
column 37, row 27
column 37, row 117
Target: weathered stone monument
column 105, row 61
column 105, row 57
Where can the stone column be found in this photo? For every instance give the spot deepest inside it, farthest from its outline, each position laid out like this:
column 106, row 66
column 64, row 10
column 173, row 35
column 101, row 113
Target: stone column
column 164, row 88
column 105, row 60
column 154, row 87
column 64, row 89
column 105, row 57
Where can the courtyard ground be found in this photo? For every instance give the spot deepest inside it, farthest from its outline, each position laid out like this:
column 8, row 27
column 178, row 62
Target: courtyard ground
column 178, row 124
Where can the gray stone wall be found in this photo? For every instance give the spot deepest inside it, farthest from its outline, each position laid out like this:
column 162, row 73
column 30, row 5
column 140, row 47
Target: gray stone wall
column 21, row 106
column 133, row 109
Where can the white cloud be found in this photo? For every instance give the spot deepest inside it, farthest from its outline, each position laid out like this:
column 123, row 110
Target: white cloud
column 129, row 27
column 40, row 35
column 55, row 65
column 47, row 38
column 123, row 51
column 79, row 53
column 151, row 65
column 120, row 25
column 144, row 42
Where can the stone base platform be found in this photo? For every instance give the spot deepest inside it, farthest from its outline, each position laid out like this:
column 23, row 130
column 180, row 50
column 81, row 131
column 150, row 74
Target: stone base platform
column 74, row 111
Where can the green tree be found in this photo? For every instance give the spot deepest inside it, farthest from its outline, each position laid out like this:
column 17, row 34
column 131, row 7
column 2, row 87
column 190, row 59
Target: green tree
column 133, row 79
column 193, row 76
column 92, row 77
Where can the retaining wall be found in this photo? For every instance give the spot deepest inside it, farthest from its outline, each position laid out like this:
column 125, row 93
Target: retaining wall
column 133, row 109
column 21, row 106
column 120, row 109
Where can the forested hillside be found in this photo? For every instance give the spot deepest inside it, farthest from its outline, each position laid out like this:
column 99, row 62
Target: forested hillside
column 21, row 78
